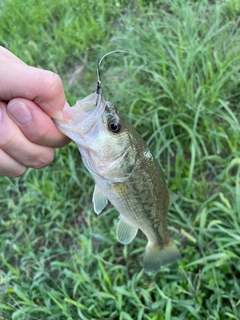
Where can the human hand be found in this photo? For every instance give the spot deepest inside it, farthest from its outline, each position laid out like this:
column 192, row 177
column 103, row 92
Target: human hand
column 29, row 98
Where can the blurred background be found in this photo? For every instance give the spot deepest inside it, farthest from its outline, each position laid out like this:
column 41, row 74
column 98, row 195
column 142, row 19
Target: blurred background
column 179, row 87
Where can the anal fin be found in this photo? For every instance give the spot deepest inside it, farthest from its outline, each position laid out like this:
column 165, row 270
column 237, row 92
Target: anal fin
column 99, row 200
column 125, row 231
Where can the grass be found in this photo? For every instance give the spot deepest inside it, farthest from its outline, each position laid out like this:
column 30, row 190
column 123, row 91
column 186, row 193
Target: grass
column 179, row 86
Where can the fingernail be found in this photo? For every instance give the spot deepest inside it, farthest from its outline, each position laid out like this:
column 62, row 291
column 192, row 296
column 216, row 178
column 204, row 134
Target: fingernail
column 19, row 112
column 67, row 112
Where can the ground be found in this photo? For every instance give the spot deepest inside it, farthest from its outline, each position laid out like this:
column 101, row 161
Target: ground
column 178, row 84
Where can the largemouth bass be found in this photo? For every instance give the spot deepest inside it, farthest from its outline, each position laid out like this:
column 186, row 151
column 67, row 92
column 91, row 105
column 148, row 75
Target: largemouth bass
column 126, row 174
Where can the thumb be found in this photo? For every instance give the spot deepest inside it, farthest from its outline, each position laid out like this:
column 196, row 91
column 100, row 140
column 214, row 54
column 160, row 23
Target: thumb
column 43, row 87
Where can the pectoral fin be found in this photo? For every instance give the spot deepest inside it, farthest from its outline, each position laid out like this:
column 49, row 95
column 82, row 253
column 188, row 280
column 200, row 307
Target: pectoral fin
column 99, row 200
column 125, row 231
column 172, row 197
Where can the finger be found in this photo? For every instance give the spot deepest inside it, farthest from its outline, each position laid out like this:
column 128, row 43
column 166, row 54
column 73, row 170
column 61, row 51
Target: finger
column 35, row 124
column 17, row 146
column 9, row 55
column 10, row 167
column 43, row 87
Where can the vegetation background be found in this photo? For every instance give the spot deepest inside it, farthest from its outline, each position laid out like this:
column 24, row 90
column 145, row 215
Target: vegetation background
column 180, row 88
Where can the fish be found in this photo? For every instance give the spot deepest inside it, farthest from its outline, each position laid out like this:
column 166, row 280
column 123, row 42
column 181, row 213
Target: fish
column 126, row 174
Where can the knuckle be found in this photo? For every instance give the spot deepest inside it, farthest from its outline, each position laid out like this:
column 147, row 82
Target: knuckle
column 44, row 159
column 5, row 141
column 51, row 81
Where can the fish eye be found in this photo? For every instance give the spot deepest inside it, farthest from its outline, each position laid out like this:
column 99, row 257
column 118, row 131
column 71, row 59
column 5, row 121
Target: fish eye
column 114, row 125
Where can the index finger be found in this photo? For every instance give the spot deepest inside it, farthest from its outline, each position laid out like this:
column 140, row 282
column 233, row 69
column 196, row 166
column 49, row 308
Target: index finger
column 44, row 87
column 7, row 54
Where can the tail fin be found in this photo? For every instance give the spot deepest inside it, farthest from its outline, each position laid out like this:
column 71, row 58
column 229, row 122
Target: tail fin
column 155, row 257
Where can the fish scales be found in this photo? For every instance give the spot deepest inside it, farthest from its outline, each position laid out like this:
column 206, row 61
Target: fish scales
column 138, row 192
column 126, row 174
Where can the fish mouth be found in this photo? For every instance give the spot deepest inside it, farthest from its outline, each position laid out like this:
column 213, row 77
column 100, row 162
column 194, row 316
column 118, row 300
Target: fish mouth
column 85, row 114
column 87, row 111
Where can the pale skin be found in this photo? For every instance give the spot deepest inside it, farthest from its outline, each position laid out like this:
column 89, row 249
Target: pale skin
column 29, row 99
